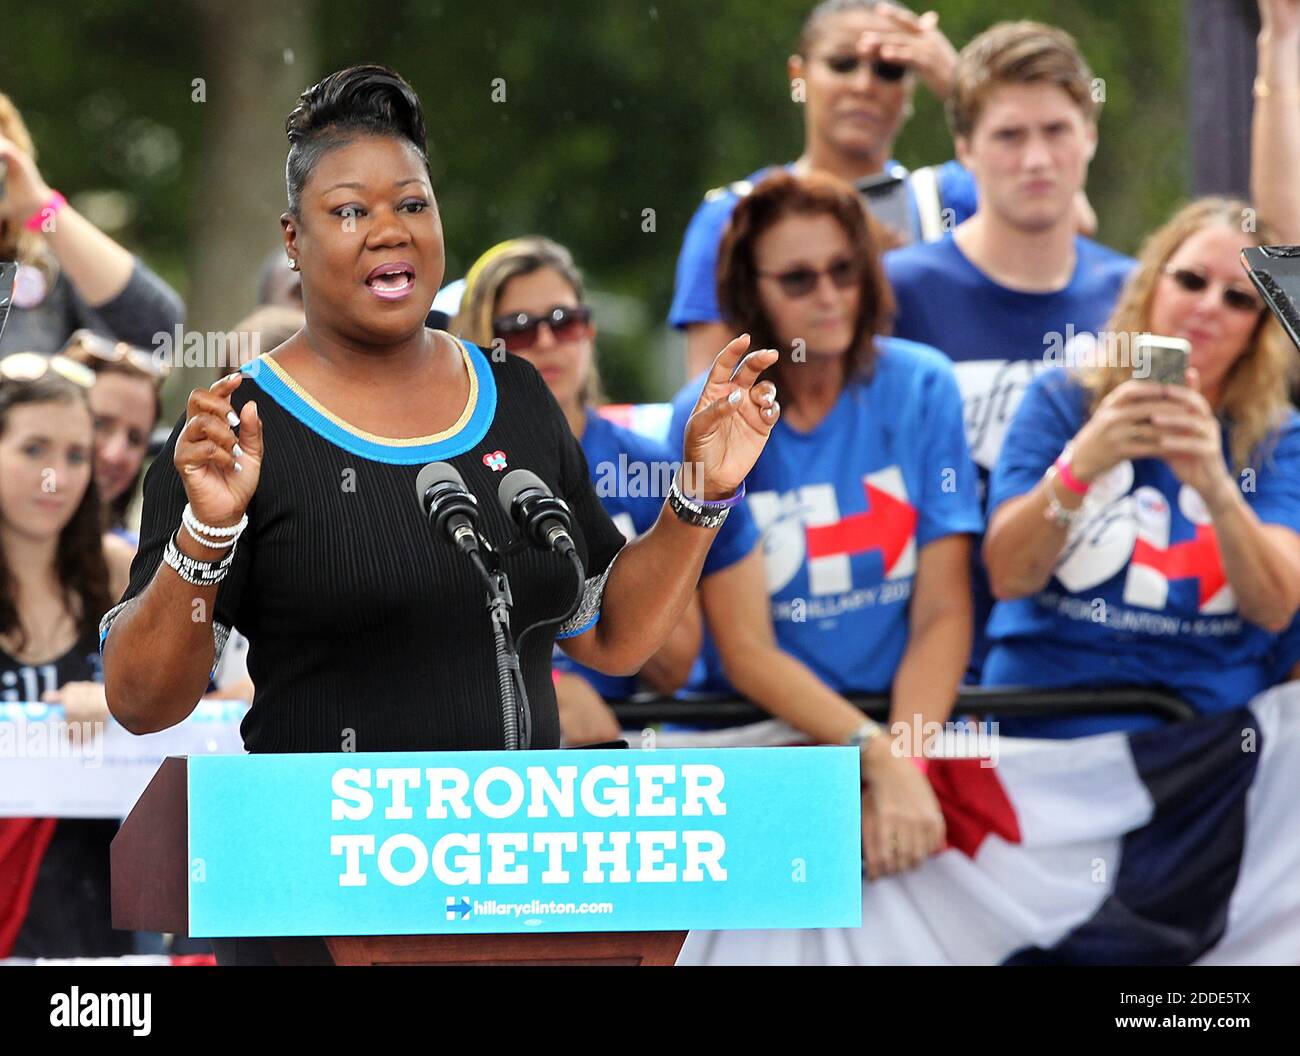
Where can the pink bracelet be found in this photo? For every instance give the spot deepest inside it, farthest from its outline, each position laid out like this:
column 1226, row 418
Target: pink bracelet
column 55, row 203
column 1067, row 478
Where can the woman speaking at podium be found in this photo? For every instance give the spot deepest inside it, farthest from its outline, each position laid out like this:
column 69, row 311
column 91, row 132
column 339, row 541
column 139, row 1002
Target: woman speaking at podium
column 284, row 503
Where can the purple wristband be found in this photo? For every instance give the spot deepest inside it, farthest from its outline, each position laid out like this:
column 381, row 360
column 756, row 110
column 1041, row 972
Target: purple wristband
column 723, row 503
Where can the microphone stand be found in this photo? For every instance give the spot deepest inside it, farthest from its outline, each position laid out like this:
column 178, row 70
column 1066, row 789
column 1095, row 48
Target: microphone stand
column 516, row 712
column 458, row 517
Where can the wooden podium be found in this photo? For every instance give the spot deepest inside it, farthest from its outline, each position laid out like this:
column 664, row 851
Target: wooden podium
column 150, row 877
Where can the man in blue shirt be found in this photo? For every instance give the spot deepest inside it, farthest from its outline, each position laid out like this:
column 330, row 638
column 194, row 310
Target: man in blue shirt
column 1010, row 288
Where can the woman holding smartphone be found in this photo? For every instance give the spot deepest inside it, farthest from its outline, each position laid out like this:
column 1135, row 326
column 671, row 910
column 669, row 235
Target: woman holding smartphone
column 1143, row 533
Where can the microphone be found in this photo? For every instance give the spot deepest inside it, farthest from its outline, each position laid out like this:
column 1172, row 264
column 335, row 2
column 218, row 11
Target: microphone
column 451, row 508
column 542, row 518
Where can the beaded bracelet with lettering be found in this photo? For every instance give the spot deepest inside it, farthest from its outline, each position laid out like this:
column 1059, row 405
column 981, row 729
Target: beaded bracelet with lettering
column 193, row 571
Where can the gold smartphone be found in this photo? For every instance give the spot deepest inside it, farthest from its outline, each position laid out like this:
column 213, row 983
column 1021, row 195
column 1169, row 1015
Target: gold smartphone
column 1165, row 358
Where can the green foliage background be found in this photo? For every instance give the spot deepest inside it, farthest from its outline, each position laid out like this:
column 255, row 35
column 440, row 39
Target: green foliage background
column 611, row 108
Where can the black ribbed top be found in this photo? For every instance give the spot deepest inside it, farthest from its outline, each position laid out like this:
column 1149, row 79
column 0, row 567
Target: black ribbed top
column 364, row 633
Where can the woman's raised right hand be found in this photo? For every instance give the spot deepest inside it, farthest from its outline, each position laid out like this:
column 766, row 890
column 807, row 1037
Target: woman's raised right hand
column 219, row 467
column 1120, row 428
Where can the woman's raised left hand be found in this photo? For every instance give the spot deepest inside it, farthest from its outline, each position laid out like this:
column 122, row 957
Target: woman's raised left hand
column 731, row 422
column 1191, row 443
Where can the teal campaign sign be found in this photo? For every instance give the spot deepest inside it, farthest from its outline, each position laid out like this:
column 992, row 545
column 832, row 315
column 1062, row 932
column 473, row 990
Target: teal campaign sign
column 391, row 843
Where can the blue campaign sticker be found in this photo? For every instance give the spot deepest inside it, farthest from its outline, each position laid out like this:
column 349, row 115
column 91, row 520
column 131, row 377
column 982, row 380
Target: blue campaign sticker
column 390, row 843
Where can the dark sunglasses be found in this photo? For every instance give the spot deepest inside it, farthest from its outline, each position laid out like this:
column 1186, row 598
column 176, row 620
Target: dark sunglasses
column 885, row 71
column 799, row 282
column 519, row 331
column 1194, row 282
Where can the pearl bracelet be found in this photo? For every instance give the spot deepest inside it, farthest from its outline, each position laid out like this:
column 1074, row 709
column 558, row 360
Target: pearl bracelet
column 198, row 529
column 211, row 544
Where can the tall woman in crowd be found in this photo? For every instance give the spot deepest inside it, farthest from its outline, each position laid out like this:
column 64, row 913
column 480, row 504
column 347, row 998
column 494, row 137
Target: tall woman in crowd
column 853, row 73
column 58, row 575
column 865, row 499
column 70, row 273
column 1144, row 533
column 526, row 297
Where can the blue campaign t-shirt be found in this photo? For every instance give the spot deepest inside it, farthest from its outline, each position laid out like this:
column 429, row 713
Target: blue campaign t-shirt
column 630, row 473
column 1139, row 596
column 998, row 339
column 842, row 512
column 695, row 294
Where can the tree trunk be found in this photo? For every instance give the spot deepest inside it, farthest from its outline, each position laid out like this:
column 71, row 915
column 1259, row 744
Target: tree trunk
column 257, row 58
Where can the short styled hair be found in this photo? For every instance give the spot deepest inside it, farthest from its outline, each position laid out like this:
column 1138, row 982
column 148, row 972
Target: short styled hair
column 360, row 100
column 1017, row 53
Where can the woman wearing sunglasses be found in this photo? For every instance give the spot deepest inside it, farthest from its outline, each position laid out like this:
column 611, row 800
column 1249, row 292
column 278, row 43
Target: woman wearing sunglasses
column 1144, row 533
column 864, row 501
column 526, row 296
column 58, row 575
column 126, row 404
column 70, row 273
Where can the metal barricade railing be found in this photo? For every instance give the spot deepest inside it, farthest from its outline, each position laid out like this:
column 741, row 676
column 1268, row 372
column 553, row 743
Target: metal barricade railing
column 976, row 701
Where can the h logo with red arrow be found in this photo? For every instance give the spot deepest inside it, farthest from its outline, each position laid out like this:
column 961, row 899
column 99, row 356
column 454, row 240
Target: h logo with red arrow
column 806, row 526
column 1156, row 562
